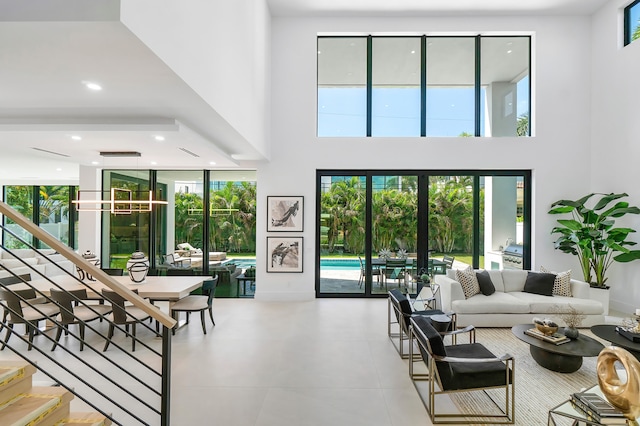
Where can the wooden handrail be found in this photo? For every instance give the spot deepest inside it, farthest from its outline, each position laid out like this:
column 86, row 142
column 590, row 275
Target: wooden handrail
column 80, row 262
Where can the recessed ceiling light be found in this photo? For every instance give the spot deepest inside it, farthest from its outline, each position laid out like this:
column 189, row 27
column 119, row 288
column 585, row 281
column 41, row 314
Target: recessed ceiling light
column 213, row 163
column 76, row 138
column 95, row 163
column 159, row 138
column 509, row 51
column 58, row 169
column 319, row 52
column 92, row 85
column 153, row 163
column 413, row 51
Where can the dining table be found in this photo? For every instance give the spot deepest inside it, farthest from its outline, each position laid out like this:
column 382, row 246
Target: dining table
column 436, row 265
column 162, row 288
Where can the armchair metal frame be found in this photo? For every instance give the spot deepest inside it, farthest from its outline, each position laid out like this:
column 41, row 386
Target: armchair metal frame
column 399, row 308
column 433, row 360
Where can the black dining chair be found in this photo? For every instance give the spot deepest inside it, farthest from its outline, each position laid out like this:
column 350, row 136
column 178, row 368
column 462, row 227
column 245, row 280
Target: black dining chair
column 123, row 315
column 70, row 314
column 28, row 315
column 197, row 303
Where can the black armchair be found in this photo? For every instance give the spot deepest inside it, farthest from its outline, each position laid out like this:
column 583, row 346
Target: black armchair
column 402, row 313
column 461, row 368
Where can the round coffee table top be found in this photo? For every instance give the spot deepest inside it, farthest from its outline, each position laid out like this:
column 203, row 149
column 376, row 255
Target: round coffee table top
column 582, row 346
column 608, row 333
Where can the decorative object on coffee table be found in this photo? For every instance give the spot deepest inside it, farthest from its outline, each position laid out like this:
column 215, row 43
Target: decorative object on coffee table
column 623, row 394
column 545, row 326
column 572, row 318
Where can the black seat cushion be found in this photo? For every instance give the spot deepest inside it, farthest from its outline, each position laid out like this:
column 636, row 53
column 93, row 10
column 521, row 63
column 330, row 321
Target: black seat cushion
column 539, row 283
column 459, row 375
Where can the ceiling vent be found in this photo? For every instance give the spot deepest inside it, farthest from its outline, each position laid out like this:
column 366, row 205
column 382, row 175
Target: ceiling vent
column 50, row 152
column 120, row 154
column 189, row 152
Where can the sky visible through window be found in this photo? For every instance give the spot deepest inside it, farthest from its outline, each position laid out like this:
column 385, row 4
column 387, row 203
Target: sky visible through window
column 634, row 15
column 396, row 111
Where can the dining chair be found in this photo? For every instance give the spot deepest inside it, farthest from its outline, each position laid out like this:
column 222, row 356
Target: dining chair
column 195, row 303
column 28, row 315
column 363, row 271
column 180, row 272
column 395, row 269
column 123, row 315
column 10, row 280
column 114, row 272
column 70, row 314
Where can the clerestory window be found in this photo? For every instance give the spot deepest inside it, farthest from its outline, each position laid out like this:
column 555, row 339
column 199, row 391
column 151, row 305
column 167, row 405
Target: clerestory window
column 413, row 86
column 632, row 22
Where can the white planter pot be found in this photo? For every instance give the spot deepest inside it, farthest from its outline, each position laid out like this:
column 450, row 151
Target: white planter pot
column 602, row 296
column 138, row 269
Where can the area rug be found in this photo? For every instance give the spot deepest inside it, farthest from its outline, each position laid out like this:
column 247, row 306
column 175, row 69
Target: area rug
column 537, row 389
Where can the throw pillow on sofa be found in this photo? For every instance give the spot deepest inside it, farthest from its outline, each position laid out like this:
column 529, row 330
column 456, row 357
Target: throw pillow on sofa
column 468, row 281
column 486, row 285
column 562, row 283
column 539, row 283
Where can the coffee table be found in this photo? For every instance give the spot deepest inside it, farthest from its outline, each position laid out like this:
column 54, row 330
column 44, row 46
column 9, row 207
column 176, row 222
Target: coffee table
column 564, row 358
column 608, row 333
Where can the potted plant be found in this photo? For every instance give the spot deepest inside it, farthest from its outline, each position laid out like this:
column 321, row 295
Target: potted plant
column 590, row 234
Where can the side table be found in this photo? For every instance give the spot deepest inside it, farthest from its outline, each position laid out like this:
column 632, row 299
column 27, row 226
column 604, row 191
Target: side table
column 567, row 414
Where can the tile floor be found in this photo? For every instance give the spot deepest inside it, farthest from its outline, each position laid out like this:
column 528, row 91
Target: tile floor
column 322, row 362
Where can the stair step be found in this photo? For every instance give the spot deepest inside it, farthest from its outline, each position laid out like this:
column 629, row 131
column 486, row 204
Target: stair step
column 15, row 378
column 38, row 404
column 84, row 419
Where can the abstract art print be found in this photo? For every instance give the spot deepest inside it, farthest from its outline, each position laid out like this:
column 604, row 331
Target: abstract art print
column 284, row 254
column 285, row 214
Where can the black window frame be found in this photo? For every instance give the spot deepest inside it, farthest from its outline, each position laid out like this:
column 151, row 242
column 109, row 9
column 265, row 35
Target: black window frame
column 423, row 78
column 628, row 25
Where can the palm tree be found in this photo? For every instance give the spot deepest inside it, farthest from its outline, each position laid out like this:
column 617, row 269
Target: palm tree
column 636, row 33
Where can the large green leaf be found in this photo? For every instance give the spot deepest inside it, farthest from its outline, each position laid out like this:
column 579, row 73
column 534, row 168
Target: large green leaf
column 628, row 257
column 571, row 224
column 571, row 203
column 561, row 210
column 607, row 199
column 622, row 211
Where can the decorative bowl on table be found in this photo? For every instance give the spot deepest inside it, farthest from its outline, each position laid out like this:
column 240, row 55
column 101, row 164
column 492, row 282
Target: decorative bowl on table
column 545, row 326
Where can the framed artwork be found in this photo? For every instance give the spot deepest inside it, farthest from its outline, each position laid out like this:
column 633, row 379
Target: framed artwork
column 284, row 254
column 285, row 214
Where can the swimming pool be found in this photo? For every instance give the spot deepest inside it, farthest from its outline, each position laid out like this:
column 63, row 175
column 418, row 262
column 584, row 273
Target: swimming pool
column 326, row 264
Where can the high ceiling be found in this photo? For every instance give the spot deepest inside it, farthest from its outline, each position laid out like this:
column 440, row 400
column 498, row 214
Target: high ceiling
column 432, row 7
column 48, row 56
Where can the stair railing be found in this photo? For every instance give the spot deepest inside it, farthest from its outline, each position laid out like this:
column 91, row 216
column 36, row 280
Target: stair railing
column 130, row 388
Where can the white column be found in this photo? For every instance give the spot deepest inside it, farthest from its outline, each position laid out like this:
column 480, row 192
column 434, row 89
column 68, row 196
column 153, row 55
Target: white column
column 89, row 222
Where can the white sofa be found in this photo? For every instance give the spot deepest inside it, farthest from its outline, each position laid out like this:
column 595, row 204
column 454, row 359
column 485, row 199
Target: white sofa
column 510, row 305
column 44, row 262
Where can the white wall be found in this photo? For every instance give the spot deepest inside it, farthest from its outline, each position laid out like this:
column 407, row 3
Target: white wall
column 557, row 154
column 616, row 134
column 219, row 48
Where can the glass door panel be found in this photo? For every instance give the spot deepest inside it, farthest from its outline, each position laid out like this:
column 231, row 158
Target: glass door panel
column 394, row 228
column 451, row 218
column 342, row 234
column 503, row 221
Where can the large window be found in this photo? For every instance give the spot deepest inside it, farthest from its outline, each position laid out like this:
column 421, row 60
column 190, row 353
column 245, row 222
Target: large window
column 47, row 206
column 424, row 86
column 421, row 216
column 632, row 22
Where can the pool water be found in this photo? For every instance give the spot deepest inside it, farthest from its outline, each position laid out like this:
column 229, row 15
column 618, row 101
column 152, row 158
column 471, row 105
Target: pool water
column 325, row 264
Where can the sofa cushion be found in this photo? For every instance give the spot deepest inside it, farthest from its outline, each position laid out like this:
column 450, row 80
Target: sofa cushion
column 17, row 263
column 468, row 281
column 497, row 303
column 562, row 284
column 539, row 283
column 17, row 253
column 486, row 285
column 513, row 279
column 558, row 304
column 496, row 279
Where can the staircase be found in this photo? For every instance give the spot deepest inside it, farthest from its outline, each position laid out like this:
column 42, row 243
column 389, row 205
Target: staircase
column 22, row 404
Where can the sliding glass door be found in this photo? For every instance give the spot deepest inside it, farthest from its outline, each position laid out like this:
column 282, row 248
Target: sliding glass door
column 365, row 218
